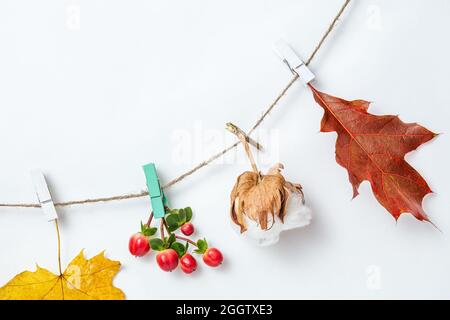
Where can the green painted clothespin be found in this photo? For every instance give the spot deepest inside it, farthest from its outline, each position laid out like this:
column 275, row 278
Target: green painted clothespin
column 157, row 197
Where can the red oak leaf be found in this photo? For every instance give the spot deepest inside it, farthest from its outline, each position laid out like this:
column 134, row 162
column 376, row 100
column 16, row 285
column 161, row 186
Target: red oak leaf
column 372, row 148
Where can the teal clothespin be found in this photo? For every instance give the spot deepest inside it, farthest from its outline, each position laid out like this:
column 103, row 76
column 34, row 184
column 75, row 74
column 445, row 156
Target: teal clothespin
column 157, row 197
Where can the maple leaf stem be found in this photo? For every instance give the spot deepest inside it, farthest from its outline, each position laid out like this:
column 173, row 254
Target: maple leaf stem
column 59, row 247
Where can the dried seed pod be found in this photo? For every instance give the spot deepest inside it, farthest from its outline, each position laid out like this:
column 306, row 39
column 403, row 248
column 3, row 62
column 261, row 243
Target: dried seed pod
column 264, row 205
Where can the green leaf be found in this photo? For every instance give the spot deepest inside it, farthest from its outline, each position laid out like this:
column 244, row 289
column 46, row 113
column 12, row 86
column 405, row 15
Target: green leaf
column 202, row 245
column 172, row 228
column 172, row 221
column 179, row 248
column 181, row 217
column 171, row 239
column 157, row 244
column 188, row 212
column 148, row 232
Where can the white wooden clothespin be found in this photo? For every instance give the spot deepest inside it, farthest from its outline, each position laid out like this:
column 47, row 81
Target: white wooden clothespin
column 293, row 61
column 43, row 194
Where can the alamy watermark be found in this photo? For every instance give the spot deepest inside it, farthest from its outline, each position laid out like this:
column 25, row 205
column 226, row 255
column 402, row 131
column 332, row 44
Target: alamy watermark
column 73, row 16
column 373, row 277
column 196, row 144
column 374, row 18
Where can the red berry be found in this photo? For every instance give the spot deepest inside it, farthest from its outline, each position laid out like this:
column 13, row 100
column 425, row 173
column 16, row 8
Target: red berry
column 138, row 245
column 212, row 257
column 188, row 263
column 167, row 259
column 187, row 229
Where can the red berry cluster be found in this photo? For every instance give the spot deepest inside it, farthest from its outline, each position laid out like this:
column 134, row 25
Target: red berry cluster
column 171, row 251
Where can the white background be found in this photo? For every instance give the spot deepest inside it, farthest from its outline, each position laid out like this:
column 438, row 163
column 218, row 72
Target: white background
column 91, row 90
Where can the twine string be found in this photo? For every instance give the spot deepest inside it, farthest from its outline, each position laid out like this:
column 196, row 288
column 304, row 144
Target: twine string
column 205, row 162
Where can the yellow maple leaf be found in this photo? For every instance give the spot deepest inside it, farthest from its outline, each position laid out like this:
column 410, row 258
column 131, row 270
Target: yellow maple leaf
column 82, row 280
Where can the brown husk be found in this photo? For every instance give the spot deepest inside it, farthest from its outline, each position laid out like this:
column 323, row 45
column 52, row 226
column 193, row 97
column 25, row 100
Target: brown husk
column 258, row 196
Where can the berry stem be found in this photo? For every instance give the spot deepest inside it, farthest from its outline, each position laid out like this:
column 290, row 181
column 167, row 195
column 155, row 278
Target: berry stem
column 166, row 226
column 164, row 223
column 186, row 239
column 161, row 229
column 149, row 222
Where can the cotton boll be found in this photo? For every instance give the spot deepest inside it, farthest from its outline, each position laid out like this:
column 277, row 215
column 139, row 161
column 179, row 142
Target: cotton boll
column 298, row 215
column 261, row 237
column 264, row 205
